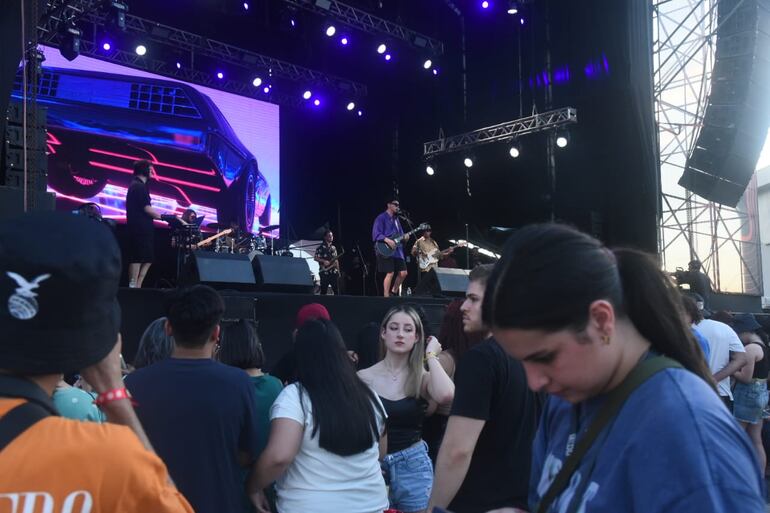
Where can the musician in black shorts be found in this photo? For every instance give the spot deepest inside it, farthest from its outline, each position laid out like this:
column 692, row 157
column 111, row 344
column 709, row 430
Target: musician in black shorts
column 329, row 266
column 140, row 214
column 386, row 227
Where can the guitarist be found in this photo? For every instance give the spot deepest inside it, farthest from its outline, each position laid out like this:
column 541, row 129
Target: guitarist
column 386, row 227
column 426, row 246
column 329, row 266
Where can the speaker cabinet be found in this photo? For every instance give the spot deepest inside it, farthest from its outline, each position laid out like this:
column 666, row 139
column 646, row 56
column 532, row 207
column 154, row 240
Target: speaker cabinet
column 219, row 270
column 443, row 282
column 282, row 274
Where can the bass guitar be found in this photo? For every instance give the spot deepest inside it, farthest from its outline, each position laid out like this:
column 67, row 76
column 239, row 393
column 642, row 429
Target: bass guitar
column 425, row 262
column 206, row 242
column 385, row 251
column 332, row 263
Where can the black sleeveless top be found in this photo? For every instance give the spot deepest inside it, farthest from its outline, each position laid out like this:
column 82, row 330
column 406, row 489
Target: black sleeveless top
column 404, row 422
column 762, row 367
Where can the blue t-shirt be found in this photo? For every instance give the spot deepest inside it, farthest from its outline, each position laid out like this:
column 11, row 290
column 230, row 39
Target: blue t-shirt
column 673, row 447
column 199, row 414
column 704, row 344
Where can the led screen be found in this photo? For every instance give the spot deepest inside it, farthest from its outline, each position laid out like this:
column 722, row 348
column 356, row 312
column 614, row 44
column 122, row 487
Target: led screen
column 212, row 151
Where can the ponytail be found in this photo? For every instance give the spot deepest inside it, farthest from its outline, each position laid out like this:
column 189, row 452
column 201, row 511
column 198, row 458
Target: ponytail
column 651, row 302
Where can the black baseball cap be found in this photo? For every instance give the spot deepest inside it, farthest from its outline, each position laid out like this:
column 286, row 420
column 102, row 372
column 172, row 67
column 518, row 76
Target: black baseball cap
column 59, row 276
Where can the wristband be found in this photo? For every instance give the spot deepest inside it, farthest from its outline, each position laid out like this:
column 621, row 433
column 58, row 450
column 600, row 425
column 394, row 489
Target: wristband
column 117, row 394
column 429, row 355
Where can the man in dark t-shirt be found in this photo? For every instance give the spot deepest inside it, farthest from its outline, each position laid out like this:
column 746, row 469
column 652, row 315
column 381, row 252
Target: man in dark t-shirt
column 484, row 460
column 200, row 415
column 139, row 224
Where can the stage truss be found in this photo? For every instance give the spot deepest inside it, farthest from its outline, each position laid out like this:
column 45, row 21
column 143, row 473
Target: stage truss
column 691, row 227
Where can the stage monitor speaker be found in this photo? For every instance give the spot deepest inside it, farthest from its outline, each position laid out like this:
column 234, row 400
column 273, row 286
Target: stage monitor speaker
column 737, row 114
column 282, row 274
column 443, row 282
column 219, row 270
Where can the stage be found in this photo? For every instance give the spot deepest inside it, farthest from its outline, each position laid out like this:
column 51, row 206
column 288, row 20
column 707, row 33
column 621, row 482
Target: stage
column 274, row 312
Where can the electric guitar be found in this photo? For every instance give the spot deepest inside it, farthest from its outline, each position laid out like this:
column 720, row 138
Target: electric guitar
column 425, row 262
column 385, row 251
column 206, row 242
column 332, row 263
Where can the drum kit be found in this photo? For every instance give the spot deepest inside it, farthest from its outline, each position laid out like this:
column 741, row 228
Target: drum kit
column 244, row 243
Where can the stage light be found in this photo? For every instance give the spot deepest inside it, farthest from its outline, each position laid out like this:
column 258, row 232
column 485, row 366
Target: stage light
column 344, row 41
column 141, row 50
column 256, row 82
column 266, row 89
column 351, row 106
column 245, row 6
column 307, row 95
column 382, row 48
column 220, row 75
column 116, row 13
column 430, row 170
column 521, row 21
column 106, row 46
column 69, row 40
column 178, row 65
column 485, row 4
column 513, row 7
column 562, row 139
column 435, row 71
column 388, row 57
column 360, row 113
column 515, row 150
column 428, row 64
column 331, row 30
column 316, row 102
column 468, row 162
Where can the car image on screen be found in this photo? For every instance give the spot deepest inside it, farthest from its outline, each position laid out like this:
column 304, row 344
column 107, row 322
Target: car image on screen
column 99, row 124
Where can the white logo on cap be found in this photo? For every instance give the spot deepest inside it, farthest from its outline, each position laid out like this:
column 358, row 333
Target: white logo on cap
column 22, row 304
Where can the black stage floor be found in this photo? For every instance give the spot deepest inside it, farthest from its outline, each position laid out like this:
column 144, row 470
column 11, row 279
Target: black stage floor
column 275, row 313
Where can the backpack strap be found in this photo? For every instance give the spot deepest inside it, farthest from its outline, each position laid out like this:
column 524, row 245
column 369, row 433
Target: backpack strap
column 615, row 400
column 18, row 420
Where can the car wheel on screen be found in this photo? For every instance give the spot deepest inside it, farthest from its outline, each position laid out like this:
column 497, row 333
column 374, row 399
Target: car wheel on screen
column 264, row 219
column 63, row 178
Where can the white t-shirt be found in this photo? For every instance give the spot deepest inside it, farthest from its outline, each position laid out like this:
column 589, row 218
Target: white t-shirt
column 319, row 481
column 722, row 339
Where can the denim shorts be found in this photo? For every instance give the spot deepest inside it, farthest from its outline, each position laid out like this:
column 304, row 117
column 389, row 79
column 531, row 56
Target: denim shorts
column 750, row 400
column 410, row 475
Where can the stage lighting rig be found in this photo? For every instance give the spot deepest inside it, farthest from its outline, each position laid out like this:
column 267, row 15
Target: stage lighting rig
column 562, row 138
column 514, row 150
column 430, row 169
column 116, row 13
column 69, row 39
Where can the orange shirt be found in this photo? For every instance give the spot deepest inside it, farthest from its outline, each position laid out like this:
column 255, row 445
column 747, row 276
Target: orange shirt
column 67, row 466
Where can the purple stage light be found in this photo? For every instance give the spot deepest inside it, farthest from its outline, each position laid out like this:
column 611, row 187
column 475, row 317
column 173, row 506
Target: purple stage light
column 106, row 46
column 485, row 4
column 382, row 48
column 344, row 41
column 388, row 57
column 331, row 30
column 220, row 75
column 307, row 95
column 351, row 106
column 316, row 102
column 435, row 71
column 360, row 113
column 178, row 65
column 245, row 6
column 266, row 89
column 521, row 21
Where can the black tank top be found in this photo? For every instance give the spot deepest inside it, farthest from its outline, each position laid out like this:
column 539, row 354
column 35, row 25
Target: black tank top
column 404, row 422
column 762, row 367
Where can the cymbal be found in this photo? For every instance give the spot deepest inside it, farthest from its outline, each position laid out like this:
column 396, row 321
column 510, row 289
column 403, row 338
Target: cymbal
column 269, row 228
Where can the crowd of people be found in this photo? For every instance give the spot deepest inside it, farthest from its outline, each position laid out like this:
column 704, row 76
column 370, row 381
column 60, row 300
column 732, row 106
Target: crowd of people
column 571, row 378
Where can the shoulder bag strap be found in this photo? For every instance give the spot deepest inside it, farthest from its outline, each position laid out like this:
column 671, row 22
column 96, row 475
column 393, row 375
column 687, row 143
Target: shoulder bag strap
column 18, row 420
column 615, row 401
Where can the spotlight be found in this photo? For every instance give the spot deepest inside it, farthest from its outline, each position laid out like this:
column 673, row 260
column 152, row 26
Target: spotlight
column 69, row 40
column 220, row 75
column 514, row 151
column 382, row 48
column 430, row 170
column 468, row 162
column 307, row 95
column 116, row 13
column 256, row 82
column 351, row 106
column 344, row 41
column 331, row 30
column 316, row 102
column 435, row 71
column 513, row 7
column 141, row 50
column 428, row 64
column 360, row 113
column 106, row 46
column 245, row 6
column 266, row 89
column 562, row 139
column 484, row 5
column 388, row 57
column 178, row 65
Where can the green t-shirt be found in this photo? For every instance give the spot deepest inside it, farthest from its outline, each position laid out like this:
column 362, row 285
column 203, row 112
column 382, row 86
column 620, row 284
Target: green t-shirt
column 267, row 389
column 74, row 403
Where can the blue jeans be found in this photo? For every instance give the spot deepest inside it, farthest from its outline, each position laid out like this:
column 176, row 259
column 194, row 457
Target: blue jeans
column 410, row 475
column 750, row 400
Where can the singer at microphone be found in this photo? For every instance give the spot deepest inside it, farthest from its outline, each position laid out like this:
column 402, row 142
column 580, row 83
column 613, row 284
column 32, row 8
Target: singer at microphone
column 387, row 229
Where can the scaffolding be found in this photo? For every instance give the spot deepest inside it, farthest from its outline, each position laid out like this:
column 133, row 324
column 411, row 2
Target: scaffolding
column 692, row 228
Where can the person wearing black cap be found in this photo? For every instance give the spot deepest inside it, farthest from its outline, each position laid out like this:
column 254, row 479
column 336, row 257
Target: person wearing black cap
column 59, row 314
column 698, row 281
column 139, row 220
column 387, row 227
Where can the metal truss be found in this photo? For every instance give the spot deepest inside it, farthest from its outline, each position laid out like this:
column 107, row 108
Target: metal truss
column 194, row 44
column 502, row 132
column 683, row 57
column 369, row 23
